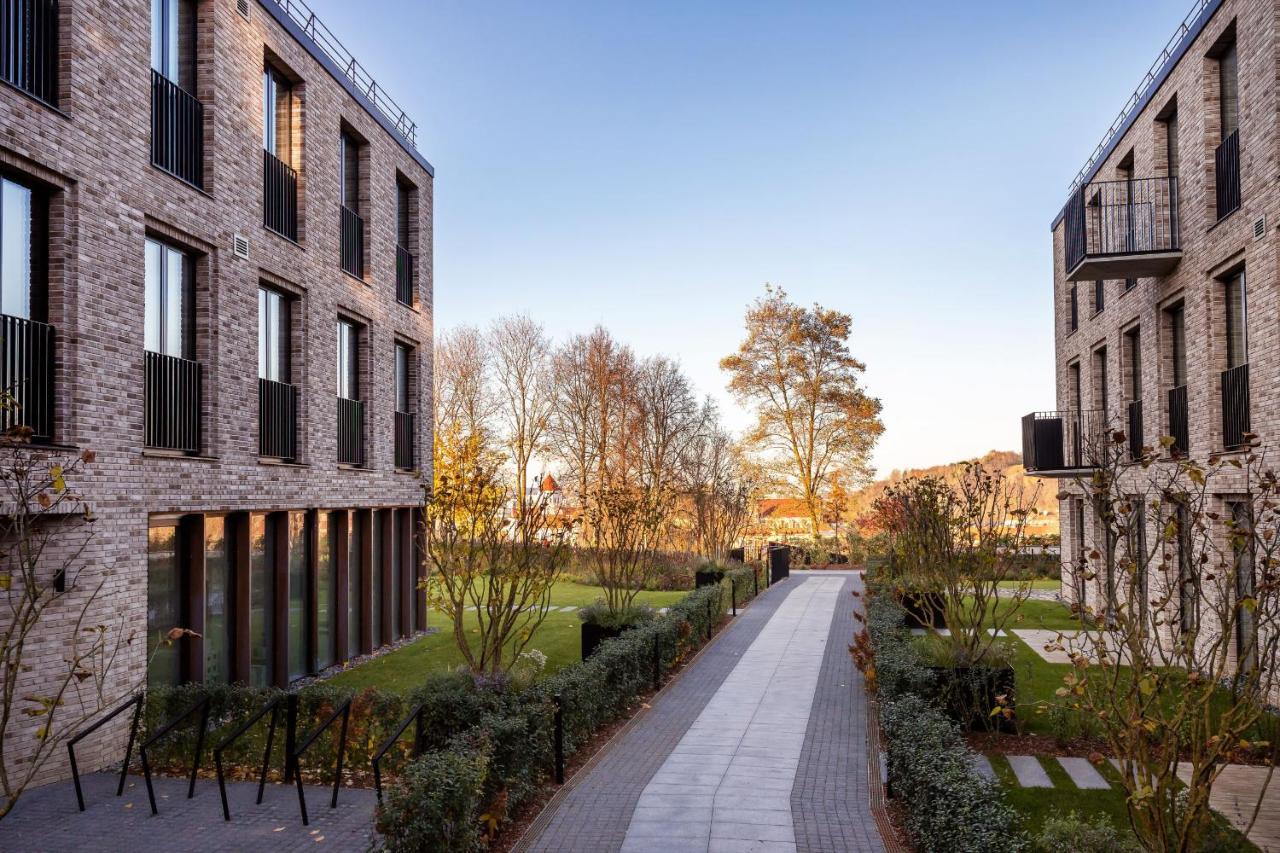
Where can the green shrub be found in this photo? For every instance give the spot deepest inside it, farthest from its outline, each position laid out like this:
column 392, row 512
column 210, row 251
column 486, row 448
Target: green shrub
column 1072, row 834
column 598, row 613
column 436, row 804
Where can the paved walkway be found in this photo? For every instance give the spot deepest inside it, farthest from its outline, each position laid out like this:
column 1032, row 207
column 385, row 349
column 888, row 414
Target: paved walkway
column 760, row 745
column 46, row 819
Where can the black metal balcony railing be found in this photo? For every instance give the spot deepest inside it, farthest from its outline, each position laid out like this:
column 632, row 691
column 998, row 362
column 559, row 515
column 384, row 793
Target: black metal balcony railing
column 404, row 275
column 352, row 242
column 26, row 376
column 1134, row 431
column 1064, row 441
column 350, row 431
column 1119, row 219
column 1179, row 423
column 1235, row 406
column 29, row 47
column 277, row 419
column 1226, row 163
column 177, row 130
column 404, row 440
column 279, row 196
column 173, row 394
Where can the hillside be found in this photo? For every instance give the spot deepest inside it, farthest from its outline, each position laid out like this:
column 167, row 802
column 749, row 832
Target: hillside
column 1045, row 522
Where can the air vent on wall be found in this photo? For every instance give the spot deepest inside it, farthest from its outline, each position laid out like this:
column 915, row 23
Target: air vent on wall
column 1260, row 227
column 240, row 246
column 242, row 6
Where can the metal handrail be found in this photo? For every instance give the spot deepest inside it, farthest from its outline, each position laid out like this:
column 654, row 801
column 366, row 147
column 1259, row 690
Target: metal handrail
column 274, row 707
column 343, row 710
column 201, row 705
column 136, row 700
column 415, row 716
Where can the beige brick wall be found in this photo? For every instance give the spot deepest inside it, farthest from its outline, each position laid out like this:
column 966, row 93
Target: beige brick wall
column 95, row 151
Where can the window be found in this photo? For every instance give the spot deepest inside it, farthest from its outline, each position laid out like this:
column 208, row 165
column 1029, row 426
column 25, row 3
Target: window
column 403, row 355
column 299, row 621
column 1188, row 583
column 169, row 304
column 219, row 601
column 262, row 601
column 277, row 115
column 349, row 175
column 1229, row 89
column 326, row 591
column 348, row 360
column 1171, row 142
column 1073, row 386
column 1178, row 345
column 173, row 41
column 1140, row 558
column 164, row 606
column 1242, row 546
column 355, row 574
column 1099, row 296
column 1133, row 367
column 1075, row 306
column 404, row 196
column 349, row 207
column 23, row 242
column 1101, row 397
column 1081, row 556
column 1237, row 321
column 273, row 335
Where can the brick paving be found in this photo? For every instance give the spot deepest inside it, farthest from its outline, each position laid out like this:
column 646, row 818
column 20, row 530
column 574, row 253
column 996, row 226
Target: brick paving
column 46, row 819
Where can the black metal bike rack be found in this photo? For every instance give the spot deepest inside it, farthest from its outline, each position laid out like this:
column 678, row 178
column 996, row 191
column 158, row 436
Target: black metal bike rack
column 344, row 711
column 136, row 702
column 203, row 707
column 274, row 708
column 415, row 716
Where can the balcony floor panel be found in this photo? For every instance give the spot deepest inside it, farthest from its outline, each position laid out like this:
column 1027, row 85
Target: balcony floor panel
column 1110, row 267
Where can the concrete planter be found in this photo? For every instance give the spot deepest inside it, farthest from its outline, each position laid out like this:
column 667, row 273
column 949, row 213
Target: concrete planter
column 969, row 694
column 593, row 635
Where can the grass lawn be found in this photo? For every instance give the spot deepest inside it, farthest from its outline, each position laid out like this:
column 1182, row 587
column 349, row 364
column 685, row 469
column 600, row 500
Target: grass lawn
column 1037, row 804
column 1038, row 583
column 559, row 638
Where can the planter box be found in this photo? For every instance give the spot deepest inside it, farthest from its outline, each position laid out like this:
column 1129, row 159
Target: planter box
column 968, row 694
column 593, row 635
column 701, row 579
column 924, row 609
column 779, row 562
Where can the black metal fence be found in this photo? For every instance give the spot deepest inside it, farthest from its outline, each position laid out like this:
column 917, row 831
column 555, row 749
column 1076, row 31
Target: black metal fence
column 404, row 275
column 350, row 431
column 173, row 394
column 404, row 440
column 1178, row 421
column 177, row 130
column 1132, row 217
column 1235, row 406
column 1226, row 162
column 279, row 196
column 1065, row 440
column 277, row 419
column 26, row 375
column 29, row 47
column 1134, row 431
column 352, row 241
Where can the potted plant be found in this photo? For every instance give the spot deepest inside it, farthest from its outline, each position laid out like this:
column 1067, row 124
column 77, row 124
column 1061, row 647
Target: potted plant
column 977, row 694
column 600, row 624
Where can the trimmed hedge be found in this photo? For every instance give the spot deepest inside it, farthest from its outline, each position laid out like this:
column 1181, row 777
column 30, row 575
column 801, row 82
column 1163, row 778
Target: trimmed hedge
column 948, row 805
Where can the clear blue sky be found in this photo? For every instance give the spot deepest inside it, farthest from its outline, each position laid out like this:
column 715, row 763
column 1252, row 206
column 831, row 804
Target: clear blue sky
column 650, row 165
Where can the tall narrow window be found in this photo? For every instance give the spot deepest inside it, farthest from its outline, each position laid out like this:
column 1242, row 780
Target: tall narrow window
column 1171, row 142
column 1178, row 410
column 164, row 606
column 1080, row 557
column 326, row 594
column 355, row 570
column 352, row 223
column 277, row 115
column 1237, row 321
column 262, row 551
column 1226, row 159
column 403, row 199
column 1139, row 557
column 26, row 361
column 168, row 302
column 350, row 407
column 173, row 40
column 277, row 396
column 1178, row 345
column 219, row 598
column 1101, row 397
column 273, row 335
column 404, row 419
column 348, row 360
column 1099, row 296
column 299, row 621
column 349, row 175
column 1073, row 386
column 1229, row 89
column 405, row 243
column 1235, row 379
column 1074, row 307
column 1133, row 367
column 1188, row 581
column 22, row 249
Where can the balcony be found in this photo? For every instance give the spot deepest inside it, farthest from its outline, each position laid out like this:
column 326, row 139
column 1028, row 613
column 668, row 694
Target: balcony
column 352, row 242
column 404, row 440
column 1179, row 422
column 1134, row 430
column 277, row 420
column 1235, row 406
column 1122, row 229
column 279, row 196
column 404, row 275
column 26, row 376
column 1064, row 444
column 1226, row 169
column 173, row 394
column 350, row 432
column 29, row 47
column 177, row 130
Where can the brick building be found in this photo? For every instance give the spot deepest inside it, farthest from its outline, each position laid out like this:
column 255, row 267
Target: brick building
column 216, row 258
column 1164, row 259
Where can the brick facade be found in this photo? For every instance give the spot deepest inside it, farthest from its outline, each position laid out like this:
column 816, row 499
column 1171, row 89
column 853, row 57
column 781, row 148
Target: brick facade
column 105, row 198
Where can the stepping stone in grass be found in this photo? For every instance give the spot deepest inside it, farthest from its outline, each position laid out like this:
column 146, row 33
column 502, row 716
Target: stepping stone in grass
column 1029, row 771
column 982, row 765
column 1084, row 774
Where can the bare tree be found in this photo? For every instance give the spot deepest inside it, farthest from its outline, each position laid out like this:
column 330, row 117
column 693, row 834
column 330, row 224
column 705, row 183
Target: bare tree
column 521, row 365
column 717, row 487
column 463, row 397
column 812, row 415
